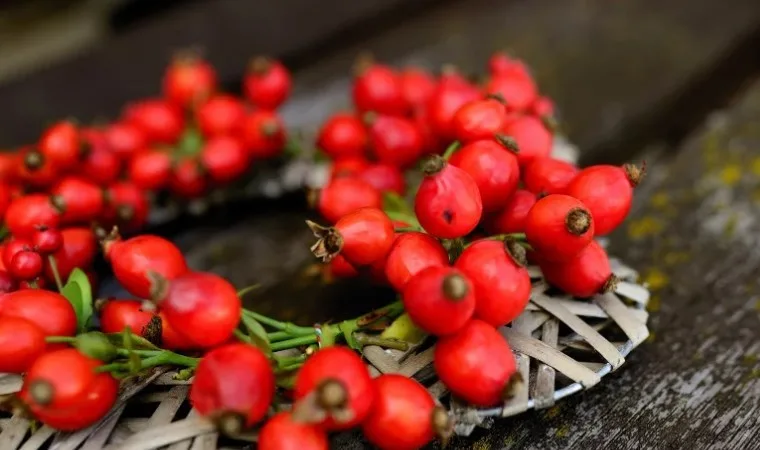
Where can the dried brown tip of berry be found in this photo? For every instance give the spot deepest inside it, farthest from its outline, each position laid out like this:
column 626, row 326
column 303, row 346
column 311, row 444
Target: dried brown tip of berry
column 514, row 384
column 332, row 395
column 550, row 123
column 188, row 55
column 230, row 423
column 329, row 241
column 516, row 251
column 541, row 195
column 125, row 213
column 443, row 424
column 507, row 142
column 99, row 304
column 42, row 392
column 433, row 164
column 364, row 61
column 611, row 284
column 159, row 287
column 635, row 173
column 369, row 118
column 153, row 330
column 455, row 287
column 578, row 221
column 34, row 160
column 449, row 69
column 260, row 65
column 270, row 128
column 107, row 239
column 498, row 97
column 312, row 198
column 59, row 204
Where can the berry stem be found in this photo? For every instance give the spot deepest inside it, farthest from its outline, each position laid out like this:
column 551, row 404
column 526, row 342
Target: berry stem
column 450, row 150
column 295, row 342
column 160, row 358
column 365, row 339
column 501, row 237
column 291, row 328
column 56, row 274
column 60, row 340
column 393, row 310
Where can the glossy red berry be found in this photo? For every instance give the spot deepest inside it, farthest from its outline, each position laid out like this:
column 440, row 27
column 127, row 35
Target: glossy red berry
column 440, row 300
column 282, row 432
column 13, row 247
column 78, row 250
column 348, row 166
column 548, row 175
column 418, row 86
column 267, row 84
column 125, row 139
column 7, row 284
column 127, row 206
column 221, row 115
column 584, row 276
column 385, row 178
column 338, row 383
column 378, row 88
column 100, row 164
column 343, row 136
column 448, row 203
column 411, row 253
column 542, row 107
column 61, row 145
column 151, row 169
column 21, row 343
column 171, row 339
column 26, row 265
column 188, row 80
column 558, row 227
column 516, row 87
column 34, row 169
column 362, row 237
column 342, row 196
column 25, row 214
column 117, row 315
column 6, row 193
column 339, row 267
column 607, row 192
column 234, row 384
column 476, row 364
column 479, row 119
column 188, row 179
column 501, row 282
column 404, row 416
column 160, row 121
column 9, row 162
column 224, row 158
column 395, row 140
column 50, row 311
column 450, row 95
column 533, row 138
column 80, row 200
column 494, row 169
column 511, row 218
column 202, row 307
column 500, row 63
column 47, row 240
column 263, row 134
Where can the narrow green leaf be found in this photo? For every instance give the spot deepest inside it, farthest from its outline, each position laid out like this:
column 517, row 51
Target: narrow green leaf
column 78, row 292
column 247, row 289
column 257, row 334
column 134, row 359
column 347, row 327
column 394, row 203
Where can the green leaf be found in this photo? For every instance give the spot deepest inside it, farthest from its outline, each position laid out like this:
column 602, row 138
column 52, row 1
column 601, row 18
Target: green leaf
column 394, row 203
column 257, row 333
column 79, row 293
column 191, row 142
column 347, row 327
column 135, row 363
column 247, row 289
column 404, row 329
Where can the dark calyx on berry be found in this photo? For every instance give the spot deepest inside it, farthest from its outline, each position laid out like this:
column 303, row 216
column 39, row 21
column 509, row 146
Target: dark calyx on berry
column 516, row 251
column 455, row 287
column 260, row 65
column 33, row 160
column 507, row 142
column 513, row 385
column 229, row 423
column 578, row 221
column 331, row 395
column 443, row 424
column 329, row 241
column 611, row 284
column 433, row 164
column 635, row 173
column 42, row 392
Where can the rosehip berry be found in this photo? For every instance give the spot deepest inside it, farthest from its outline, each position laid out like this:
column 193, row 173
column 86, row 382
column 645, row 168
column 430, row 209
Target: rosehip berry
column 80, row 200
column 378, row 88
column 7, row 285
column 26, row 265
column 161, row 121
column 61, row 145
column 494, row 169
column 431, row 143
column 224, row 159
column 548, row 176
column 282, row 432
column 501, row 282
column 47, row 240
column 263, row 134
column 171, row 339
column 188, row 179
column 343, row 136
column 404, row 416
column 476, row 364
column 127, row 206
column 100, row 164
column 78, row 250
column 21, row 343
column 117, row 315
column 479, row 119
column 584, row 276
column 450, row 95
column 35, row 170
column 9, row 162
column 385, row 178
column 362, row 237
column 234, row 384
column 6, row 193
column 395, row 140
column 558, row 227
column 518, row 89
column 340, row 268
column 150, row 170
column 511, row 219
column 440, row 300
column 533, row 138
column 135, row 259
column 448, row 203
column 220, row 115
column 342, row 196
column 13, row 247
column 543, row 107
column 26, row 213
column 337, row 383
column 417, row 86
column 267, row 83
column 124, row 139
column 607, row 192
column 348, row 166
column 50, row 311
column 187, row 80
column 410, row 254
column 500, row 62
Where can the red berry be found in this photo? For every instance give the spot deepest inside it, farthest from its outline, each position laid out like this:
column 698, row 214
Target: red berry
column 362, row 237
column 431, row 143
column 516, row 87
column 410, row 254
column 584, row 276
column 533, row 138
column 282, row 432
column 117, row 315
column 607, row 192
column 6, row 192
column 188, row 179
column 7, row 284
column 80, row 200
column 385, row 178
column 500, row 63
column 202, row 307
column 479, row 119
column 9, row 162
column 224, row 159
column 150, row 170
column 449, row 96
column 395, row 140
column 61, row 145
column 78, row 250
column 50, row 311
column 511, row 219
column 13, row 247
column 221, row 115
column 558, row 227
column 404, row 416
column 187, row 80
column 160, row 121
column 417, row 86
column 342, row 196
column 21, row 343
column 348, row 166
column 124, row 139
column 440, row 300
column 448, row 203
column 343, row 136
column 127, row 206
column 171, row 339
column 25, row 214
column 476, row 364
column 378, row 88
column 267, row 83
column 263, row 134
column 100, row 164
column 47, row 240
column 34, row 169
column 340, row 268
column 502, row 284
column 235, row 385
column 493, row 168
column 542, row 107
column 548, row 175
column 26, row 265
column 340, row 384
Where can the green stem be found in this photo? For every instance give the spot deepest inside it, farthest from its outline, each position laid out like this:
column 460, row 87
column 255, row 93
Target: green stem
column 278, row 336
column 159, row 359
column 56, row 274
column 450, row 150
column 394, row 309
column 407, row 229
column 242, row 336
column 60, row 340
column 293, row 343
column 291, row 328
column 364, row 339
